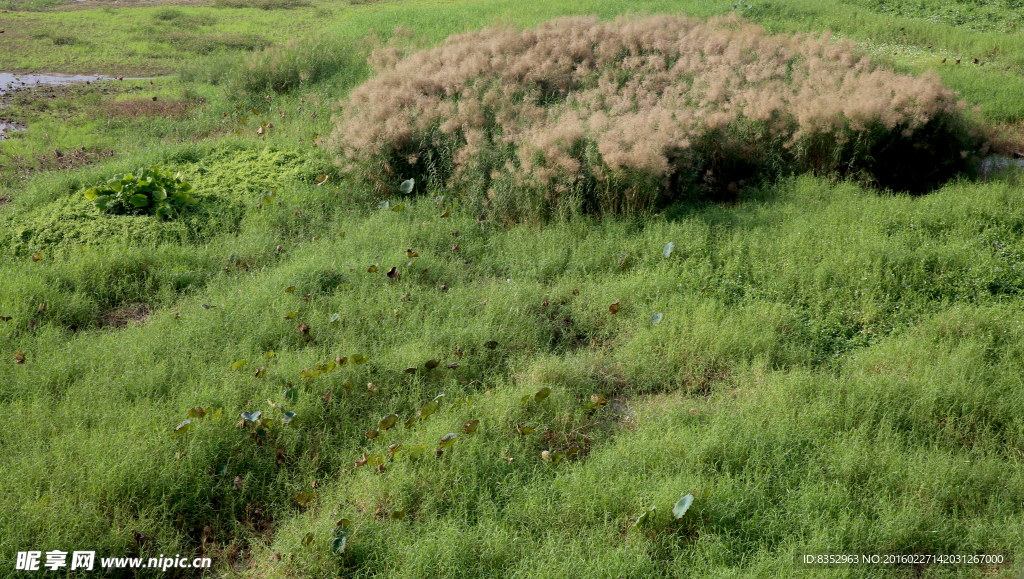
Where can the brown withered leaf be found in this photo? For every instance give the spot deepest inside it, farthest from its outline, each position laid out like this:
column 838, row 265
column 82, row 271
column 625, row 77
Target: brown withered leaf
column 19, row 357
column 362, row 461
column 393, row 274
column 238, row 483
column 614, row 307
column 280, row 457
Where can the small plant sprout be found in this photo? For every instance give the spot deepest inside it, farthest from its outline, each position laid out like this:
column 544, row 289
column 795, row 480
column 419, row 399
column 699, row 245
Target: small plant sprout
column 596, row 401
column 553, row 457
column 643, row 517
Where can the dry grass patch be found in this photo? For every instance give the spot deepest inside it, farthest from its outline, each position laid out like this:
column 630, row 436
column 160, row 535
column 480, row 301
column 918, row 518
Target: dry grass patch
column 621, row 116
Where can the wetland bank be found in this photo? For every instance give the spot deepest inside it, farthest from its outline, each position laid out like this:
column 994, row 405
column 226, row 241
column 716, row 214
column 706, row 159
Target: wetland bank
column 501, row 342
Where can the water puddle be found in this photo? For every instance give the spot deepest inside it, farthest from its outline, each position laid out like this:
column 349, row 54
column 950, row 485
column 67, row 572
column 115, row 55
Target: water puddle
column 13, row 82
column 993, row 164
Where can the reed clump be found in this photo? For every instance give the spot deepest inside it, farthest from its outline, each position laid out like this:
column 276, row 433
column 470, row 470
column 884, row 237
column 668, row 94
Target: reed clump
column 624, row 115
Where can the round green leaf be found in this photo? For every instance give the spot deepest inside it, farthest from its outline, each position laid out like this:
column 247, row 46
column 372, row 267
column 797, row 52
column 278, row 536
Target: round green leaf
column 542, row 394
column 656, row 318
column 416, row 451
column 335, row 318
column 428, row 409
column 407, row 186
column 307, row 540
column 448, row 440
column 388, row 421
column 183, row 427
column 398, row 515
column 304, row 498
column 681, row 506
column 371, row 434
column 138, row 200
column 470, row 426
column 358, row 358
column 431, row 364
column 237, row 365
column 338, row 546
column 288, row 416
column 291, row 395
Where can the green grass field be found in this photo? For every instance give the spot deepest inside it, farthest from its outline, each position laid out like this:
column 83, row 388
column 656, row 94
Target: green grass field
column 823, row 367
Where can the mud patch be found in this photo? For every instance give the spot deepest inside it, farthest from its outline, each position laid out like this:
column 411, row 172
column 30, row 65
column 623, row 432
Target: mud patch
column 62, row 160
column 134, row 314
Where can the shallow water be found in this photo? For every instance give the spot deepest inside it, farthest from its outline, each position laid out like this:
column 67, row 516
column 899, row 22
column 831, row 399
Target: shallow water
column 995, row 163
column 10, row 81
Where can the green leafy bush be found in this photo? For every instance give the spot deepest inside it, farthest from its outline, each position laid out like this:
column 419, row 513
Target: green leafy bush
column 148, row 190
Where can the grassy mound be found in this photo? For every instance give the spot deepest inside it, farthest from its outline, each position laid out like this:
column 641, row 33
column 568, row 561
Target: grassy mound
column 226, row 182
column 621, row 116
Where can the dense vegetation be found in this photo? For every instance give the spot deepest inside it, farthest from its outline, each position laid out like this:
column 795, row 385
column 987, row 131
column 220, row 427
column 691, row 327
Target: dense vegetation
column 324, row 370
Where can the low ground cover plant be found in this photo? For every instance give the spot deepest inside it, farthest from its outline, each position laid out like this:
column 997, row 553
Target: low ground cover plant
column 623, row 115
